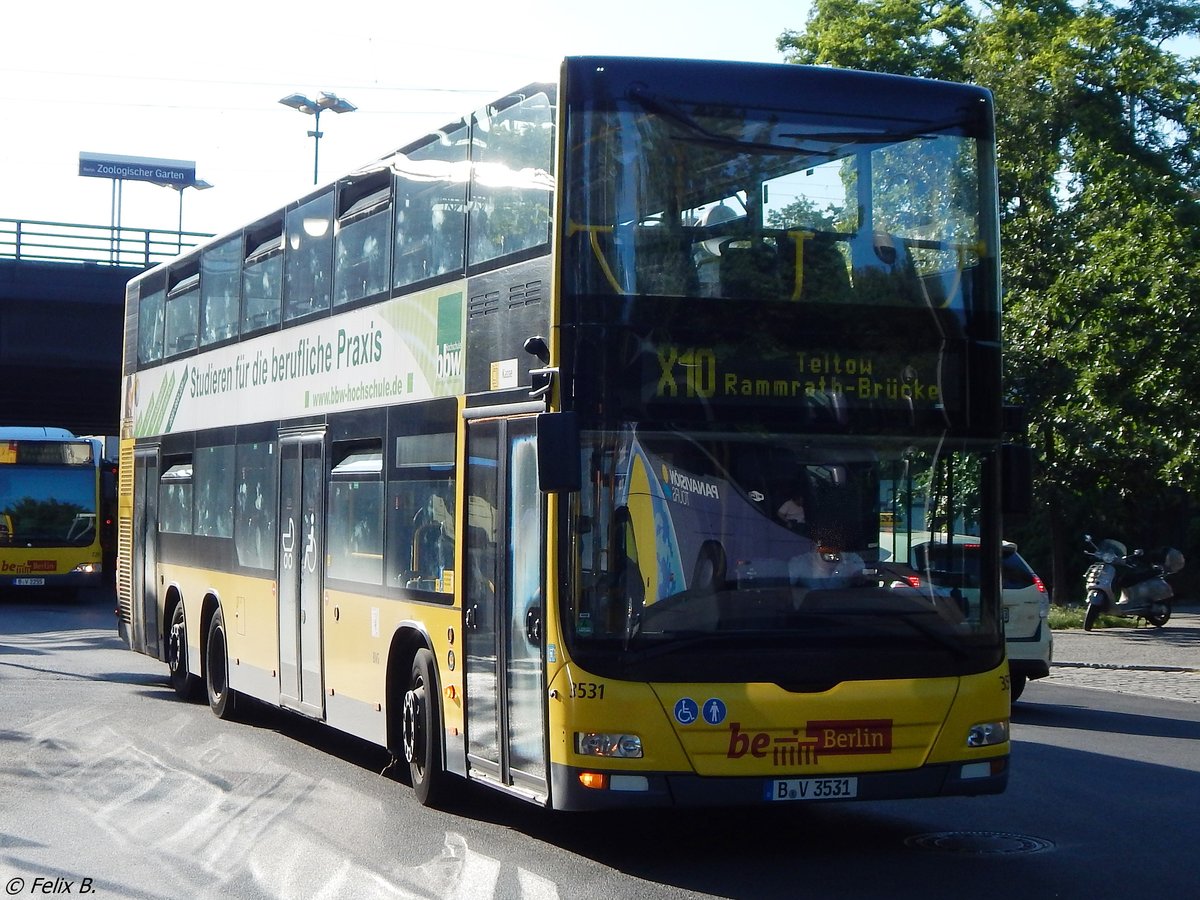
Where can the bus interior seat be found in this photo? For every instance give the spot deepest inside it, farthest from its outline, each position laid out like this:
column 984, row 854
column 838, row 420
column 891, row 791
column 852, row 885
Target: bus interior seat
column 825, row 276
column 664, row 262
column 884, row 273
column 751, row 270
column 433, row 550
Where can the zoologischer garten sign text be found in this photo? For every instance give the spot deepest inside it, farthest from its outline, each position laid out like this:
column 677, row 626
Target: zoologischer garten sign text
column 138, row 168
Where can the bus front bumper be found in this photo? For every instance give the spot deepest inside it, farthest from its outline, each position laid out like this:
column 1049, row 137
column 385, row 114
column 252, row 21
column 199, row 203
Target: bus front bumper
column 648, row 789
column 53, row 580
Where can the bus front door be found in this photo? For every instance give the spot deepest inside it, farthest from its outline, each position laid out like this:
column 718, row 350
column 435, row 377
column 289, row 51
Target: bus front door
column 503, row 598
column 301, row 482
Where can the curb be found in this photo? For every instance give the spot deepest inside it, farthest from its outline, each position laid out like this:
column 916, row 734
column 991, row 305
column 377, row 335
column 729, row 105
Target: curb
column 1124, row 668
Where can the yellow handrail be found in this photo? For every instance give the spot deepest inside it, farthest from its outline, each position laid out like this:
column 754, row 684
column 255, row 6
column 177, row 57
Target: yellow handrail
column 593, row 232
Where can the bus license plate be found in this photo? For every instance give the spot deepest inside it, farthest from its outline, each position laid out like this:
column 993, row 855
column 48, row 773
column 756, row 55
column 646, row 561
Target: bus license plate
column 812, row 788
column 29, row 582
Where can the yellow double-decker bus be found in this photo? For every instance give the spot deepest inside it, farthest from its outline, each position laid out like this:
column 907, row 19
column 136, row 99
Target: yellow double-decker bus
column 51, row 509
column 553, row 451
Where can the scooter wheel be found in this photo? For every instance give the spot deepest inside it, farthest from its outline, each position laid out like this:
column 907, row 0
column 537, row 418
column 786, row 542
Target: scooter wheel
column 1158, row 620
column 1090, row 617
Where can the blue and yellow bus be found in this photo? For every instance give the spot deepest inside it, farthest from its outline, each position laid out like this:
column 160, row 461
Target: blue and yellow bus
column 51, row 509
column 554, row 450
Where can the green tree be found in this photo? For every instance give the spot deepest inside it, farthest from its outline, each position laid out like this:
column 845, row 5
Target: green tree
column 37, row 519
column 1098, row 133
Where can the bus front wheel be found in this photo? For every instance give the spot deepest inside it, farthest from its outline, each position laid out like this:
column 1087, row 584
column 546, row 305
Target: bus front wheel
column 421, row 730
column 221, row 699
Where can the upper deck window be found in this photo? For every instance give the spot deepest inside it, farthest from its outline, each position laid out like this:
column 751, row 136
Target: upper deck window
column 431, row 206
column 219, row 282
column 151, row 325
column 511, row 178
column 262, row 277
column 675, row 198
column 183, row 310
column 308, row 263
column 363, row 238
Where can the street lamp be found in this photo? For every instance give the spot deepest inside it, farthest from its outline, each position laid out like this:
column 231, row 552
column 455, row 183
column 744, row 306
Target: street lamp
column 314, row 108
column 198, row 183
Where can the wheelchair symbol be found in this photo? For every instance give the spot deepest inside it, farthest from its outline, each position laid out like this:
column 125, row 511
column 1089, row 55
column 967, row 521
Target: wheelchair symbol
column 310, row 545
column 686, row 711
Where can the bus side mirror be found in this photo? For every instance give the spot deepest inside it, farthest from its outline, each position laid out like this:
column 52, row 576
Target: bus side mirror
column 1016, row 480
column 558, row 452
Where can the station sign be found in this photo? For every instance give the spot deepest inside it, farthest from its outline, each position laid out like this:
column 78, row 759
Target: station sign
column 181, row 172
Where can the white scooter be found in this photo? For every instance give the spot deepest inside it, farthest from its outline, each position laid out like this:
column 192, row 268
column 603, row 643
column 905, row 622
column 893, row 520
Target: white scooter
column 1129, row 584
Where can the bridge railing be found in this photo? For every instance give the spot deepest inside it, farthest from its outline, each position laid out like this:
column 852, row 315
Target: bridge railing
column 32, row 241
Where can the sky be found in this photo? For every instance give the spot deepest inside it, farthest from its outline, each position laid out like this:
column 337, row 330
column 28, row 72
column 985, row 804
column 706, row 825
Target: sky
column 201, row 82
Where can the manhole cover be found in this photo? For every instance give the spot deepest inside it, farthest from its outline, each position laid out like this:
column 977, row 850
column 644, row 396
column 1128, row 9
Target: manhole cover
column 981, row 843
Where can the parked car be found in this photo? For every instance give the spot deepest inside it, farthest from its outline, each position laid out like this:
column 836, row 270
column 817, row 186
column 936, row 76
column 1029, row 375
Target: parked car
column 953, row 569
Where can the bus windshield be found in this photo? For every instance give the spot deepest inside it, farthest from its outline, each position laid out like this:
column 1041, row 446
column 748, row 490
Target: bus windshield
column 697, row 548
column 47, row 505
column 674, row 197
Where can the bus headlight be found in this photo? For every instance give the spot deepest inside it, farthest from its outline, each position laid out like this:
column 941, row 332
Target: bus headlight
column 622, row 746
column 987, row 734
column 88, row 568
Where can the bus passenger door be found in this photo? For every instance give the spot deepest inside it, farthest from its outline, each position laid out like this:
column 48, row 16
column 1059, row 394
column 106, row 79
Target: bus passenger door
column 503, row 598
column 301, row 543
column 144, row 629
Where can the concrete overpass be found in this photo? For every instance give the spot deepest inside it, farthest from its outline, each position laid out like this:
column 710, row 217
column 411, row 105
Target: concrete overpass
column 62, row 296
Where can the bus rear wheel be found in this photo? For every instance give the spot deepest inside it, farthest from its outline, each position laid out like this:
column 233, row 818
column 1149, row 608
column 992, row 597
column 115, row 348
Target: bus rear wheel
column 185, row 684
column 421, row 731
column 221, row 698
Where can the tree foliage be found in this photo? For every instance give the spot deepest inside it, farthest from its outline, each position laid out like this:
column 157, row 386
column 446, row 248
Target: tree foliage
column 1098, row 138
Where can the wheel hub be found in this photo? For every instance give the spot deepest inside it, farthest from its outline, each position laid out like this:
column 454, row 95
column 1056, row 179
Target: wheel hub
column 412, row 726
column 175, row 647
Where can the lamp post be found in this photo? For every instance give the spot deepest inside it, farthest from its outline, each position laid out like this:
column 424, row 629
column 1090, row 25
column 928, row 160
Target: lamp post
column 199, row 185
column 314, row 108
column 179, row 187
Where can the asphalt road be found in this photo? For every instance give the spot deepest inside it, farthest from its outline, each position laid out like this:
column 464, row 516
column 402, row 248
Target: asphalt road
column 108, row 780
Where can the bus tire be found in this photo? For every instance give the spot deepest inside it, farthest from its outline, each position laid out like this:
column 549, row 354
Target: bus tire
column 185, row 684
column 222, row 700
column 422, row 731
column 1017, row 687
